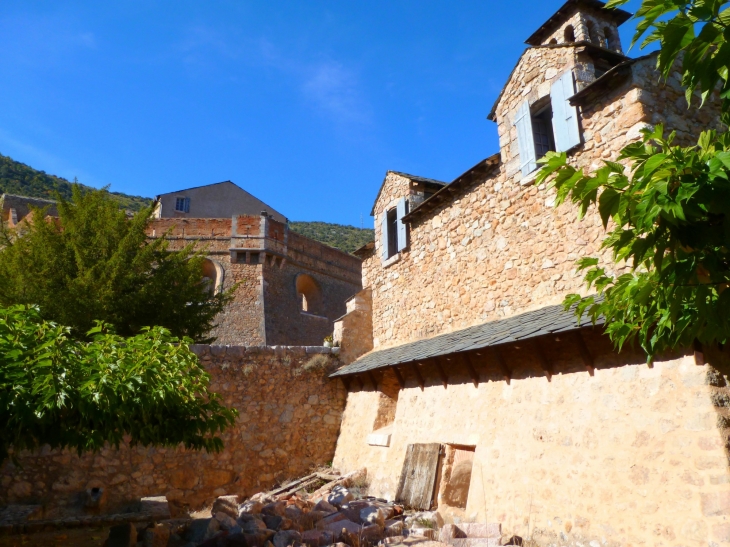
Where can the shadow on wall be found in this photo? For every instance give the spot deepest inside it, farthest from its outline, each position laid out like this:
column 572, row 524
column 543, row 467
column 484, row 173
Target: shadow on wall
column 309, row 294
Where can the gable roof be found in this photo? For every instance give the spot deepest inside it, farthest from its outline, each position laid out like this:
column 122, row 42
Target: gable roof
column 547, row 320
column 566, row 10
column 415, row 178
column 579, row 47
column 269, row 208
column 448, row 192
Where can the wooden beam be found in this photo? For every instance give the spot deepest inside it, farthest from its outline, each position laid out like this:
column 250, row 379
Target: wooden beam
column 699, row 353
column 442, row 372
column 417, row 373
column 544, row 363
column 585, row 353
column 506, row 373
column 399, row 377
column 470, row 367
column 372, row 379
column 345, row 382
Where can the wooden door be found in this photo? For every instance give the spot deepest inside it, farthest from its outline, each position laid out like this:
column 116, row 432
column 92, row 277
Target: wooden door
column 418, row 477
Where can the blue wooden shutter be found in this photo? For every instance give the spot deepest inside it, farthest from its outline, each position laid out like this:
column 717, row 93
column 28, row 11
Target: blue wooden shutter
column 565, row 116
column 525, row 139
column 402, row 228
column 187, row 205
column 384, row 236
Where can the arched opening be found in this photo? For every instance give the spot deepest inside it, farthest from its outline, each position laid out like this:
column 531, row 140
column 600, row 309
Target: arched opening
column 591, row 30
column 569, row 34
column 309, row 295
column 212, row 277
column 611, row 42
column 553, row 42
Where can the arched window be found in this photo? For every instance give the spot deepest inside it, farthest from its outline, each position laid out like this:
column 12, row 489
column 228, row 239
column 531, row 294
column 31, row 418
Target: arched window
column 309, row 295
column 591, row 29
column 554, row 41
column 610, row 37
column 212, row 277
column 569, row 34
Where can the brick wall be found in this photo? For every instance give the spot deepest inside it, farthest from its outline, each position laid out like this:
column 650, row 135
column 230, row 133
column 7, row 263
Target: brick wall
column 289, row 421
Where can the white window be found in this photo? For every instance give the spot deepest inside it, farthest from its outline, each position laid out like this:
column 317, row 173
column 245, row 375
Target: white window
column 182, row 205
column 394, row 232
column 545, row 127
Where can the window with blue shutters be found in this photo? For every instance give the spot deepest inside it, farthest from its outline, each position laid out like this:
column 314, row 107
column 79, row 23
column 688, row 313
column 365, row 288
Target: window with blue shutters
column 393, row 231
column 551, row 124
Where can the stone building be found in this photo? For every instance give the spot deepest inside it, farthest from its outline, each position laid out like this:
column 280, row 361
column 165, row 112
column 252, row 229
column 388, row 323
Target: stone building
column 469, row 387
column 219, row 200
column 15, row 208
column 290, row 289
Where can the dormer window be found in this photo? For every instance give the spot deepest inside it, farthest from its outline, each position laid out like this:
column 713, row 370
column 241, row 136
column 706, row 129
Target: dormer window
column 394, row 232
column 546, row 127
column 182, row 205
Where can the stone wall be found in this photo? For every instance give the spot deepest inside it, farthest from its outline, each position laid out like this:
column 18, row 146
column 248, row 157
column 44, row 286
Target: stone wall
column 632, row 455
column 500, row 246
column 264, row 258
column 288, row 421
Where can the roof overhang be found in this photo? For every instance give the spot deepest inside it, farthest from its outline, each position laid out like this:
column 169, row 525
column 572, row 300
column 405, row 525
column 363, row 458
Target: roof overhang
column 447, row 193
column 415, row 178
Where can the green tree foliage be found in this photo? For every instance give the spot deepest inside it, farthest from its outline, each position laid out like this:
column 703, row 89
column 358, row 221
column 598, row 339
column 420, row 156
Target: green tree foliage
column 344, row 238
column 146, row 390
column 20, row 179
column 94, row 263
column 669, row 209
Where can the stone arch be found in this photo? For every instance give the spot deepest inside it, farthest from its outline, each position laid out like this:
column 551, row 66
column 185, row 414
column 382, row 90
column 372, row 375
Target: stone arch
column 309, row 294
column 569, row 34
column 591, row 33
column 213, row 275
column 554, row 42
column 611, row 41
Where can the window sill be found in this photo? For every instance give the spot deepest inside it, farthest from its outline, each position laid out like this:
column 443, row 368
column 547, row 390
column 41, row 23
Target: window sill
column 392, row 260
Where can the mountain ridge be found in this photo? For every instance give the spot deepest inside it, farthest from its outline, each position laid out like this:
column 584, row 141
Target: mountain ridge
column 20, row 179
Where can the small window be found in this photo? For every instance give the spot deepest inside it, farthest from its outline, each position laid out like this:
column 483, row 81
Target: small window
column 392, row 232
column 611, row 41
column 182, row 205
column 542, row 131
column 554, row 42
column 569, row 34
column 590, row 27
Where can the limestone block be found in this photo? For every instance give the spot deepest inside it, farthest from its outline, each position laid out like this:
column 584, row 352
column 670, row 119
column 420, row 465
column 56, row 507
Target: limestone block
column 227, row 505
column 372, row 515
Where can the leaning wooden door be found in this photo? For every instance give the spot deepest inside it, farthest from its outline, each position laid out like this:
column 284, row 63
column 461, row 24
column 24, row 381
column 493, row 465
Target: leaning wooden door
column 418, row 477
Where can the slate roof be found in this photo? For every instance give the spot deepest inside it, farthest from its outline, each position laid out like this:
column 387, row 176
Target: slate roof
column 547, row 320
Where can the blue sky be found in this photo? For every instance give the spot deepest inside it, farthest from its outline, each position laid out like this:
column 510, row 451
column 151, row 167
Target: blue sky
column 305, row 104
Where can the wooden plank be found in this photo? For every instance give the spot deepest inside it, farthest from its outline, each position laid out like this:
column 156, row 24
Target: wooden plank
column 418, row 476
column 399, row 377
column 419, row 378
column 292, row 484
column 466, row 358
column 585, row 353
column 442, row 373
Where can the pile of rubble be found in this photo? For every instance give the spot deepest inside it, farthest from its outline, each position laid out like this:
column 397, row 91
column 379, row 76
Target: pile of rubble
column 330, row 516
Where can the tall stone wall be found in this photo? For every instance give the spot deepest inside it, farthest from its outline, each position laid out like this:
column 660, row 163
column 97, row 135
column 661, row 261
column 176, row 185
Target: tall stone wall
column 263, row 258
column 289, row 418
column 632, row 455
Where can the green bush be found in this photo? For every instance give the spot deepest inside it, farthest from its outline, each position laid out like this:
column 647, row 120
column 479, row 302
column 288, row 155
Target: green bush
column 148, row 389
